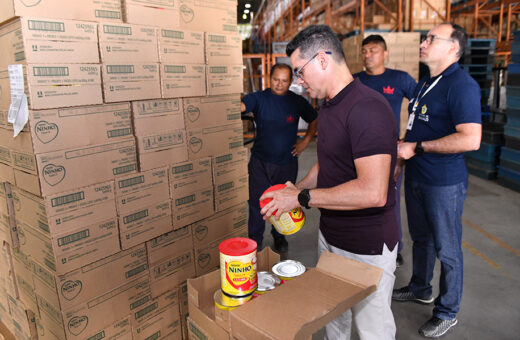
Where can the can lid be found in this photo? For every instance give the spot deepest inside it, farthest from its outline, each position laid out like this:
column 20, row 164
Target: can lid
column 267, row 281
column 272, row 188
column 227, row 302
column 237, row 246
column 288, row 268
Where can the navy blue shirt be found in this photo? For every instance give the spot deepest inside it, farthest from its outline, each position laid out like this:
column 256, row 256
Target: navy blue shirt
column 354, row 124
column 276, row 119
column 454, row 100
column 394, row 85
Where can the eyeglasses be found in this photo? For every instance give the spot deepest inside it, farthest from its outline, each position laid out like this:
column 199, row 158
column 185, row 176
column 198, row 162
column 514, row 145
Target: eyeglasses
column 430, row 38
column 298, row 73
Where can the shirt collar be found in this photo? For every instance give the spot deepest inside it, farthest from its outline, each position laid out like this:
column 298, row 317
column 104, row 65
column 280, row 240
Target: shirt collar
column 344, row 92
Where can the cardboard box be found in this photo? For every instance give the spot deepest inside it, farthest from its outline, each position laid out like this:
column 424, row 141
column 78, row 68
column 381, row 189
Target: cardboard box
column 144, row 224
column 127, row 43
column 72, row 248
column 166, row 303
column 6, row 171
column 23, row 319
column 130, row 81
column 209, row 16
column 161, row 13
column 65, row 128
column 51, row 321
column 63, row 170
column 104, row 310
column 215, row 140
column 151, row 160
column 223, row 48
column 161, row 247
column 83, row 284
column 207, row 257
column 8, row 275
column 231, row 192
column 152, row 116
column 201, row 112
column 161, row 141
column 183, row 80
column 60, row 85
column 8, row 220
column 166, row 325
column 22, row 269
column 31, row 40
column 229, row 166
column 225, row 79
column 172, row 271
column 120, row 330
column 187, row 177
column 210, row 331
column 219, row 225
column 91, row 10
column 193, row 207
column 28, row 182
column 24, row 161
column 181, row 46
column 141, row 190
column 339, row 283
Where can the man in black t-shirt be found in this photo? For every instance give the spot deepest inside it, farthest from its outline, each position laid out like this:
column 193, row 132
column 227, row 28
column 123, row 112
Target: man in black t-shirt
column 352, row 183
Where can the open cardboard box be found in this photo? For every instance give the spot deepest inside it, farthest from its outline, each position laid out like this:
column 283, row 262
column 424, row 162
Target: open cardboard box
column 295, row 310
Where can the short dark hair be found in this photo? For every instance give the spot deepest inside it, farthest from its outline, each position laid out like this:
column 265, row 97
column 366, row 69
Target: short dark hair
column 280, row 66
column 316, row 38
column 374, row 39
column 459, row 34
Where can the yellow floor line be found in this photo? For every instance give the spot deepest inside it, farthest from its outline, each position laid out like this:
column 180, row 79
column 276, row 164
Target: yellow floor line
column 482, row 256
column 491, row 237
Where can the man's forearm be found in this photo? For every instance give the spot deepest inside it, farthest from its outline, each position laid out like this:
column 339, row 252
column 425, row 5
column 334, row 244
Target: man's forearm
column 311, row 131
column 311, row 179
column 455, row 143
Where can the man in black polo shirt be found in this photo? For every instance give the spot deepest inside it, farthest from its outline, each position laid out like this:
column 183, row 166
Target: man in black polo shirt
column 352, row 182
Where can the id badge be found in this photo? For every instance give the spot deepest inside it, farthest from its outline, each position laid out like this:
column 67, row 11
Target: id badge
column 411, row 118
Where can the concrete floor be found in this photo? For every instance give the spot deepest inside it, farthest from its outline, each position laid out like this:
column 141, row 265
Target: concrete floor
column 491, row 243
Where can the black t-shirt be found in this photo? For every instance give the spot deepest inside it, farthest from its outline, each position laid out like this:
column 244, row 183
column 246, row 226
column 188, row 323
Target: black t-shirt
column 276, row 119
column 358, row 122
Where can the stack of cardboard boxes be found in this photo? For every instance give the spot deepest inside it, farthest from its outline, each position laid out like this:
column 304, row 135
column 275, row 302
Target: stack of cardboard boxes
column 128, row 168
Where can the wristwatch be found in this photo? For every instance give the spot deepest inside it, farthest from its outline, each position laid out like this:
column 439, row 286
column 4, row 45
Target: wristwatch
column 304, row 198
column 419, row 150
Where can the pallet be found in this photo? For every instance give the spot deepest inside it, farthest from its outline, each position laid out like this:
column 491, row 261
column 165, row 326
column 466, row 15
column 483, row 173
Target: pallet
column 481, row 44
column 482, row 173
column 493, row 133
column 477, row 69
column 512, row 143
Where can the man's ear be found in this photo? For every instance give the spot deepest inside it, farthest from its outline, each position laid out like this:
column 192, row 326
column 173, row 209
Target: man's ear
column 323, row 60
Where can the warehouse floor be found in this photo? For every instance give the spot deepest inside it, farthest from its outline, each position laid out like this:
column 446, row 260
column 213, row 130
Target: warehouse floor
column 491, row 244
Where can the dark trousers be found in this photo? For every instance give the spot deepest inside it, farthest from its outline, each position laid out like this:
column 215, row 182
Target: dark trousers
column 262, row 175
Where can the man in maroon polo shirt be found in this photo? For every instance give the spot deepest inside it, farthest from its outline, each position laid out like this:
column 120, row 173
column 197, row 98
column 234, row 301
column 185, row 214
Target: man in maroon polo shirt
column 352, row 182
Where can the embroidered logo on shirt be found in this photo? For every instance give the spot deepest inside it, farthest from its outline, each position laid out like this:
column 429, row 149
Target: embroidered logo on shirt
column 290, row 119
column 424, row 109
column 388, row 90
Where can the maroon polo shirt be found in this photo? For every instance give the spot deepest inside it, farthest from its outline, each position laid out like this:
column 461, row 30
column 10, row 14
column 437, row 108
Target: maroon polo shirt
column 358, row 122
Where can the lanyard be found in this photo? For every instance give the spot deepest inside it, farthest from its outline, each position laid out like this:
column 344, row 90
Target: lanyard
column 416, row 101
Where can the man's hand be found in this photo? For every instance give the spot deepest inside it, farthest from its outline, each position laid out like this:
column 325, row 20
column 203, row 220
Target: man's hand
column 299, row 147
column 283, row 200
column 406, row 150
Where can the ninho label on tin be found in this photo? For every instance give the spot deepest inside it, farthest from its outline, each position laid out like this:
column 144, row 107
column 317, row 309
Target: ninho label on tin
column 238, row 266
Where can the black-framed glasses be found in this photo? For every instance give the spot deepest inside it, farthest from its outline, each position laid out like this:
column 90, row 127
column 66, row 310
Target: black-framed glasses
column 298, row 72
column 430, row 38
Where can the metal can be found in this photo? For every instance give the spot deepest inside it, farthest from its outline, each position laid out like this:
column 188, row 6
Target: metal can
column 266, row 282
column 288, row 270
column 290, row 222
column 225, row 302
column 238, row 266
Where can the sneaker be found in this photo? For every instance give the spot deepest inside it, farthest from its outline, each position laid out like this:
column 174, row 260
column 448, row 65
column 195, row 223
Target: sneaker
column 435, row 327
column 281, row 245
column 399, row 260
column 405, row 294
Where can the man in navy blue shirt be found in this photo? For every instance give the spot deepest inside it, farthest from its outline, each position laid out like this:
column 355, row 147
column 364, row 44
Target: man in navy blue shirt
column 394, row 85
column 444, row 122
column 274, row 156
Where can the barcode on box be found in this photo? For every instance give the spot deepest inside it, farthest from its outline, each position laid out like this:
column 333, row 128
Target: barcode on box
column 120, row 69
column 182, row 168
column 107, row 14
column 174, row 69
column 130, row 182
column 122, row 30
column 37, row 25
column 184, row 200
column 217, row 38
column 80, row 235
column 66, row 199
column 137, row 216
column 50, row 71
column 119, row 132
column 172, row 34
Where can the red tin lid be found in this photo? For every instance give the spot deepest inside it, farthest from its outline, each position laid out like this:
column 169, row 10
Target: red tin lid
column 237, row 246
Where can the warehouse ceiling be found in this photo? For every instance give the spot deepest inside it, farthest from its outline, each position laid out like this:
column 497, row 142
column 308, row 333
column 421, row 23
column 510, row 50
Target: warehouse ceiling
column 245, row 7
